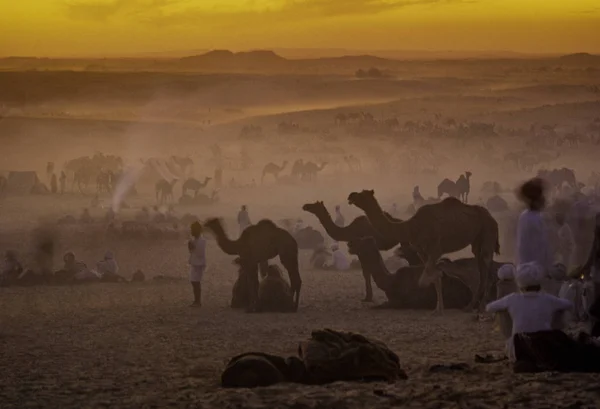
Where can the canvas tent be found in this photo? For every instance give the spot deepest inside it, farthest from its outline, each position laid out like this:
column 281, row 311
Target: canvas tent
column 22, row 182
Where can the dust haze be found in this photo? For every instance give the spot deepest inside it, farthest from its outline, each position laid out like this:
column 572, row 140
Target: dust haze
column 244, row 121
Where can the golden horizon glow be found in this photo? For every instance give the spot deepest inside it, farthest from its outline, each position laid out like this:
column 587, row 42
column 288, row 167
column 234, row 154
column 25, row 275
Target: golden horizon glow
column 129, row 27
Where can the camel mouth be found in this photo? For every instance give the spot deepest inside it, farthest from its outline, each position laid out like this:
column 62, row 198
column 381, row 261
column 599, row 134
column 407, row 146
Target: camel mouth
column 305, row 207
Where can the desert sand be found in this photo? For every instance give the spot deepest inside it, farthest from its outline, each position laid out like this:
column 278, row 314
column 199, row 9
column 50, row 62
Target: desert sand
column 140, row 345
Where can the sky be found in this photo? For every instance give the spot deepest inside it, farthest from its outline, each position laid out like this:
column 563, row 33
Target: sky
column 129, row 27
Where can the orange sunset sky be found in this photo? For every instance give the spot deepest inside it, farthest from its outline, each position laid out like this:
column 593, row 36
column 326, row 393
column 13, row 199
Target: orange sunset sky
column 127, row 27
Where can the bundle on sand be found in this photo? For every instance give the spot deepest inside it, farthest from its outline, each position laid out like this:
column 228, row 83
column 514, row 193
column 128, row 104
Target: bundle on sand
column 555, row 351
column 328, row 356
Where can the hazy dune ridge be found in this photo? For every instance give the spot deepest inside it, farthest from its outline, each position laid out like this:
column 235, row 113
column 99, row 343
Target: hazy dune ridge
column 397, row 124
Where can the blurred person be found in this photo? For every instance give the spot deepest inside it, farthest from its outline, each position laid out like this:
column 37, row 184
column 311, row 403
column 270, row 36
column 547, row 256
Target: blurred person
column 108, row 269
column 340, row 261
column 565, row 251
column 532, row 237
column 197, row 261
column 63, row 182
column 319, row 257
column 11, row 268
column 243, row 219
column 591, row 269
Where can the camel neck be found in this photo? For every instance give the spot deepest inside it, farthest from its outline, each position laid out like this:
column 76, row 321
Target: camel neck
column 374, row 266
column 334, row 231
column 399, row 231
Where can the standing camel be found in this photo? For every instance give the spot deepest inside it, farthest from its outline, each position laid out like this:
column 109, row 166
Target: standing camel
column 438, row 229
column 164, row 190
column 311, row 169
column 463, row 186
column 273, row 169
column 258, row 244
column 194, row 185
column 357, row 229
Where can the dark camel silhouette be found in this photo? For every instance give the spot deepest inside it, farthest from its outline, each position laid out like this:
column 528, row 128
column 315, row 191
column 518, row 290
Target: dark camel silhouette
column 258, row 244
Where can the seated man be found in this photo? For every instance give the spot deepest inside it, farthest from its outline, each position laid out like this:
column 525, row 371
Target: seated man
column 11, row 269
column 340, row 261
column 319, row 257
column 531, row 310
column 108, row 269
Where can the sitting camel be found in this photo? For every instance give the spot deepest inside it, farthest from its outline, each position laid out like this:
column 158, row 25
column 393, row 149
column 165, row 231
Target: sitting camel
column 401, row 287
column 258, row 244
column 439, row 229
column 358, row 228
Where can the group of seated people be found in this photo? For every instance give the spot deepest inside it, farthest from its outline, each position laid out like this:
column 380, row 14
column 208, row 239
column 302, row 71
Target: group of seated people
column 531, row 320
column 73, row 271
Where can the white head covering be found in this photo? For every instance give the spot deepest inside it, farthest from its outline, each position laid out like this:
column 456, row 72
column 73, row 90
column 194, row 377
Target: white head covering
column 528, row 274
column 507, row 272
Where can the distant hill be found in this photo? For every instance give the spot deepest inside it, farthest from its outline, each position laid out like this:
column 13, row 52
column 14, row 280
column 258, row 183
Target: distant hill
column 580, row 58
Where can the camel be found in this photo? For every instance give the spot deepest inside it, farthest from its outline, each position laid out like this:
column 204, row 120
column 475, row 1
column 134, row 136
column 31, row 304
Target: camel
column 306, row 237
column 200, row 199
column 194, row 185
column 401, row 287
column 273, row 169
column 104, row 181
column 297, row 169
column 258, row 244
column 164, row 190
column 463, row 186
column 311, row 169
column 496, row 204
column 358, row 228
column 438, row 229
column 449, row 187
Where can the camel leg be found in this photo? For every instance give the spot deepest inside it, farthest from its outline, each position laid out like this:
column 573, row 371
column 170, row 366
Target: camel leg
column 439, row 306
column 433, row 276
column 251, row 276
column 290, row 262
column 484, row 264
column 368, row 287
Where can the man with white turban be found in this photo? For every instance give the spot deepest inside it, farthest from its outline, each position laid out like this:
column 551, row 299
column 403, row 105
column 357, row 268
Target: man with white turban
column 530, row 309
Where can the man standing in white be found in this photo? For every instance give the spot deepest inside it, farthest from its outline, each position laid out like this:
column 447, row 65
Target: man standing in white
column 530, row 309
column 243, row 219
column 197, row 260
column 532, row 238
column 340, row 261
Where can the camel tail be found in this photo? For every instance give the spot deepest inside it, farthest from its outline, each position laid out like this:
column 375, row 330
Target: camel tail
column 497, row 248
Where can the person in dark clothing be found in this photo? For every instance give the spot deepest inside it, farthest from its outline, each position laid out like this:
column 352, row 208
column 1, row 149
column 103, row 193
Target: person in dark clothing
column 591, row 269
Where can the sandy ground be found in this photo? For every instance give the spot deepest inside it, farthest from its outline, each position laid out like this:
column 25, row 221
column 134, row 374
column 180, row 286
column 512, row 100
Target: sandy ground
column 140, row 345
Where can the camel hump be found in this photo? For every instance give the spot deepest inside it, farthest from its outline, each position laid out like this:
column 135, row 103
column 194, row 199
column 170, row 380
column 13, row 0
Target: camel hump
column 266, row 223
column 451, row 201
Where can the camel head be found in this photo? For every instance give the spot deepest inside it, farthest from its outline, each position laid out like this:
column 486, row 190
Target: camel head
column 315, row 208
column 363, row 200
column 468, row 174
column 214, row 224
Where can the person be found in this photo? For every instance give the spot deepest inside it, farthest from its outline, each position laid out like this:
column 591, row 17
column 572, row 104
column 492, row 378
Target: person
column 340, row 261
column 506, row 285
column 339, row 218
column 197, row 261
column 565, row 252
column 243, row 219
column 591, row 268
column 531, row 310
column 63, row 182
column 394, row 212
column 11, row 269
column 108, row 269
column 319, row 257
column 532, row 240
column 53, row 184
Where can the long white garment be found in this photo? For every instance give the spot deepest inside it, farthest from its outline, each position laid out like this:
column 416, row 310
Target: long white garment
column 340, row 261
column 530, row 312
column 532, row 241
